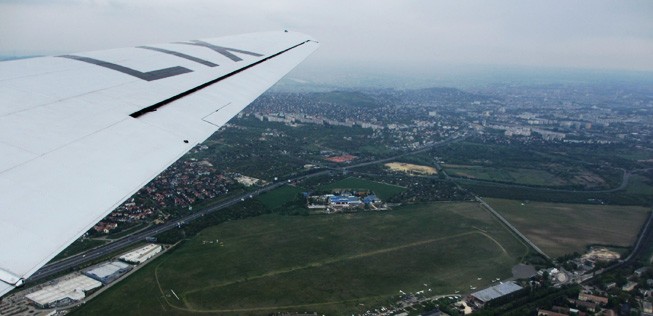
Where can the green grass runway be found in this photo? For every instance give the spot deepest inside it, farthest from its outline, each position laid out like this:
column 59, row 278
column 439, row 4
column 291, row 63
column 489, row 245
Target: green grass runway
column 332, row 264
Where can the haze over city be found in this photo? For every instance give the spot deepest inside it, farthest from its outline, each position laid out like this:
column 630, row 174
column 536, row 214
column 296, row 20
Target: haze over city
column 369, row 158
column 381, row 35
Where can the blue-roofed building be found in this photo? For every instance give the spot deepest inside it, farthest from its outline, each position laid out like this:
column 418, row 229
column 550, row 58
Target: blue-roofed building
column 108, row 271
column 338, row 199
column 371, row 199
column 344, row 200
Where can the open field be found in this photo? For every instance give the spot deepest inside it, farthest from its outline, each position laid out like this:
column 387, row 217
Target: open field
column 625, row 197
column 382, row 190
column 639, row 184
column 411, row 168
column 579, row 166
column 560, row 229
column 278, row 197
column 513, row 175
column 329, row 264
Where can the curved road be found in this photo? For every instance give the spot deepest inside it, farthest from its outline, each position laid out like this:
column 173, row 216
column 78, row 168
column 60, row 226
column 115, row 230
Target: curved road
column 624, row 183
column 633, row 254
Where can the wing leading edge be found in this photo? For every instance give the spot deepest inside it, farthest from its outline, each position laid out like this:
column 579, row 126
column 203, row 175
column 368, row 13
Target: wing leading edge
column 79, row 134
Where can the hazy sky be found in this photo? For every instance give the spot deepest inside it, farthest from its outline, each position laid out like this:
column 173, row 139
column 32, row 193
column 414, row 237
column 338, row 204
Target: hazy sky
column 375, row 33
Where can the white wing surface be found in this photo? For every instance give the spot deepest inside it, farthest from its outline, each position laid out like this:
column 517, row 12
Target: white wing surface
column 81, row 133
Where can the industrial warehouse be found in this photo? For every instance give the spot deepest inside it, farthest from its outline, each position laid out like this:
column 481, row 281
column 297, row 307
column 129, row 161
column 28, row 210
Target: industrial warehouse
column 75, row 287
column 141, row 255
column 107, row 272
column 64, row 292
column 483, row 296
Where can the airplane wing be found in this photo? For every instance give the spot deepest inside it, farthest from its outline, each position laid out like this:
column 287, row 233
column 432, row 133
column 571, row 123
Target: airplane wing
column 81, row 133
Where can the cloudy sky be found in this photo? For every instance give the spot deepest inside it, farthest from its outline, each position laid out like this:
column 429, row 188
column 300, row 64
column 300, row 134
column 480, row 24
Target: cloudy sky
column 615, row 35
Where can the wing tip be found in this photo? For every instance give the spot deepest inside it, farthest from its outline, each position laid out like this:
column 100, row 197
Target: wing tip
column 303, row 35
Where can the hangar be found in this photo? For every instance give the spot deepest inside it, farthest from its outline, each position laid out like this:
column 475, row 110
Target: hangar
column 493, row 292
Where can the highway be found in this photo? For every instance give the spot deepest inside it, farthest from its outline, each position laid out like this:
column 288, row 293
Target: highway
column 101, row 251
column 139, row 236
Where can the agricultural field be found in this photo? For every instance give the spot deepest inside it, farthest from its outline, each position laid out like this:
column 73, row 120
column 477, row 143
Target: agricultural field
column 331, row 264
column 580, row 167
column 383, row 190
column 514, row 175
column 560, row 229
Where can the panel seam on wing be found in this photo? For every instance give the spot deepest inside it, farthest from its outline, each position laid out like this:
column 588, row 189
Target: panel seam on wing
column 66, row 98
column 60, row 147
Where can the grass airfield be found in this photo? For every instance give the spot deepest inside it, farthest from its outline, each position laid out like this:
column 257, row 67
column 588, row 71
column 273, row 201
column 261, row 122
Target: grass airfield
column 332, row 264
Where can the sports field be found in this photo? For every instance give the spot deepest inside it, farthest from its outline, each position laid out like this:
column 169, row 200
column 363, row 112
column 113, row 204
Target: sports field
column 560, row 229
column 332, row 264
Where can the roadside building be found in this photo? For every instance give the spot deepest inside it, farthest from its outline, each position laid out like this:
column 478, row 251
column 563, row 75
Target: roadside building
column 589, row 306
column 629, row 286
column 141, row 255
column 107, row 272
column 435, row 312
column 64, row 292
column 544, row 312
column 639, row 272
column 371, row 199
column 592, row 298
